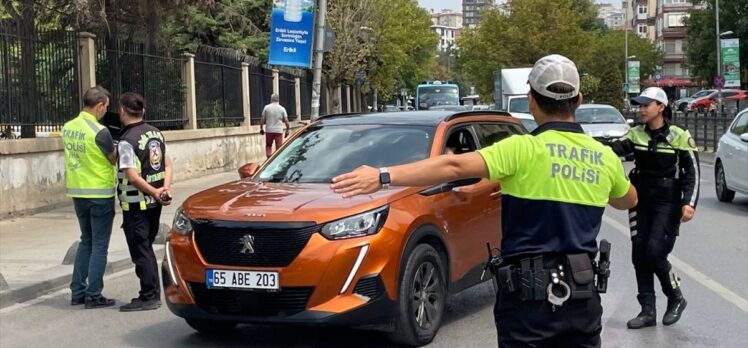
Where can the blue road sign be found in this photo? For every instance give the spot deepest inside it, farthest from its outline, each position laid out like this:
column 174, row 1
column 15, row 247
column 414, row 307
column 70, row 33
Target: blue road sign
column 291, row 33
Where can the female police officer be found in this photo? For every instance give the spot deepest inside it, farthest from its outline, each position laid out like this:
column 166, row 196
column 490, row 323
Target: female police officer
column 666, row 177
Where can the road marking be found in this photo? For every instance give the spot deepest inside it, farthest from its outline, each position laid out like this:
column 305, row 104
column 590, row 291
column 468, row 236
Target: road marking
column 702, row 278
column 41, row 299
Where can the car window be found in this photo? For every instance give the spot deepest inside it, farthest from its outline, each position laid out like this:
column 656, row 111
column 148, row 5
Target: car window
column 729, row 94
column 459, row 141
column 490, row 133
column 741, row 125
column 323, row 152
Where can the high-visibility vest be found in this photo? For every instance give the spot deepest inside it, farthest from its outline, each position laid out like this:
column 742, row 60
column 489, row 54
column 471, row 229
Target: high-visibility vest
column 88, row 172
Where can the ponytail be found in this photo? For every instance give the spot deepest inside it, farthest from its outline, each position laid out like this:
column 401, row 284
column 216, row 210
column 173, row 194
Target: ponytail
column 668, row 113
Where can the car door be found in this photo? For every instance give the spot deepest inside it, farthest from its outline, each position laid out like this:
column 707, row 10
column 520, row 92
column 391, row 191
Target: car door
column 735, row 159
column 463, row 210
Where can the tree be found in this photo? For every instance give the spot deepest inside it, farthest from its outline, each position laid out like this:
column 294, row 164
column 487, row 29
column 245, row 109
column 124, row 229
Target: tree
column 701, row 51
column 531, row 30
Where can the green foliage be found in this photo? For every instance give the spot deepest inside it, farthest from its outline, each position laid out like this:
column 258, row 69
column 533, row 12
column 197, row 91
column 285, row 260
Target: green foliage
column 701, row 34
column 533, row 29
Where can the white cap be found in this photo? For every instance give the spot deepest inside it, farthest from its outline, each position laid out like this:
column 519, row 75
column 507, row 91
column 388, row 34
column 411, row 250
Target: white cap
column 649, row 95
column 554, row 69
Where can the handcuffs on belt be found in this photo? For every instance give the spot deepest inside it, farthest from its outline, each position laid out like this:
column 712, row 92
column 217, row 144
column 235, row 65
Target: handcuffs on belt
column 558, row 290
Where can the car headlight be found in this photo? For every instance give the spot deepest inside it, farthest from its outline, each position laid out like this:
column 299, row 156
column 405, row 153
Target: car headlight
column 356, row 226
column 181, row 224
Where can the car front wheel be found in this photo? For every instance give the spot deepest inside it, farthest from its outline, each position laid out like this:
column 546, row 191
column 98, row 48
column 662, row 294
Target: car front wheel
column 421, row 298
column 724, row 194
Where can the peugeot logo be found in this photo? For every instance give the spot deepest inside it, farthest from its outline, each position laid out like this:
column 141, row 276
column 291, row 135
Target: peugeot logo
column 248, row 244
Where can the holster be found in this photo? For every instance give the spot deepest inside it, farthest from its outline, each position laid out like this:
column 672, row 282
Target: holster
column 582, row 276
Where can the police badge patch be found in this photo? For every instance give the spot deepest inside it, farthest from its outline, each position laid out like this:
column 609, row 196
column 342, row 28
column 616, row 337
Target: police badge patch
column 154, row 154
column 691, row 142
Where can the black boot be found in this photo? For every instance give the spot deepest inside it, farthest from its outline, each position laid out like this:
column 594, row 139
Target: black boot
column 648, row 316
column 676, row 304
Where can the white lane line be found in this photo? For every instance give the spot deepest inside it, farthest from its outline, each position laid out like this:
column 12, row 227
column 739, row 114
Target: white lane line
column 702, row 278
column 41, row 299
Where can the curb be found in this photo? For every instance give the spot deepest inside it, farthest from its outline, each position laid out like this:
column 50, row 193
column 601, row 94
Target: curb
column 32, row 291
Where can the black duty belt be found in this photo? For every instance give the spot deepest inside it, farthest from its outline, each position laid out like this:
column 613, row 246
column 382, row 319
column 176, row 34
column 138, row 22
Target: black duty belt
column 639, row 178
column 555, row 278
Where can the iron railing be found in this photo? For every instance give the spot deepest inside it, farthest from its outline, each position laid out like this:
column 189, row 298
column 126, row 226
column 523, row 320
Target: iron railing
column 39, row 81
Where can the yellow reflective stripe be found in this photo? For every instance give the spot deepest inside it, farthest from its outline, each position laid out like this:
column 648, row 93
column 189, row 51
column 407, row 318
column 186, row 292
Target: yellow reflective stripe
column 81, row 191
column 130, row 188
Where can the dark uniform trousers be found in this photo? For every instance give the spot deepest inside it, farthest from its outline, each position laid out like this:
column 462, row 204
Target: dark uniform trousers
column 534, row 323
column 654, row 227
column 141, row 228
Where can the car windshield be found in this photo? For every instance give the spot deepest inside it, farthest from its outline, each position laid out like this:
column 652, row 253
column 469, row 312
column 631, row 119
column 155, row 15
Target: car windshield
column 519, row 105
column 323, row 152
column 599, row 115
column 429, row 96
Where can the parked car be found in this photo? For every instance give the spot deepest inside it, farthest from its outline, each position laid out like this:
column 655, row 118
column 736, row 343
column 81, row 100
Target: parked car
column 280, row 247
column 705, row 103
column 602, row 122
column 731, row 165
column 527, row 120
column 682, row 104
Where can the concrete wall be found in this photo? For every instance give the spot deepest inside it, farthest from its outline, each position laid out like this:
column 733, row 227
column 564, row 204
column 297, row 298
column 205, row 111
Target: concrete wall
column 32, row 171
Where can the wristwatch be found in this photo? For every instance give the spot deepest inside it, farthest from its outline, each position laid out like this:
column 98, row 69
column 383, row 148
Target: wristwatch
column 384, row 178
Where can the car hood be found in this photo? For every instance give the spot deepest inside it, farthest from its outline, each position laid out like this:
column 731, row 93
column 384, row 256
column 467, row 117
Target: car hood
column 605, row 130
column 684, row 100
column 245, row 200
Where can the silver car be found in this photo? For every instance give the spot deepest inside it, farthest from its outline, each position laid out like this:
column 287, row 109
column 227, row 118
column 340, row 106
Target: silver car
column 602, row 122
column 731, row 164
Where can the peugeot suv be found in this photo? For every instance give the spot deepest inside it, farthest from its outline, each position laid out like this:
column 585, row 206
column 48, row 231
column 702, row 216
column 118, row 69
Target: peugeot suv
column 279, row 246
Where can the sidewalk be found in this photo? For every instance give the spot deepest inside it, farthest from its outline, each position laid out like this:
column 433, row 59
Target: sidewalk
column 32, row 248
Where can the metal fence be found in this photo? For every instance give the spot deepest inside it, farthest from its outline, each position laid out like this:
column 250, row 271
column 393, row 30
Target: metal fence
column 38, row 80
column 260, row 90
column 287, row 89
column 218, row 89
column 706, row 128
column 156, row 74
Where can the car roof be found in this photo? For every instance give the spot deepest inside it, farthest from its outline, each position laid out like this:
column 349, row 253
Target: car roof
column 590, row 106
column 415, row 118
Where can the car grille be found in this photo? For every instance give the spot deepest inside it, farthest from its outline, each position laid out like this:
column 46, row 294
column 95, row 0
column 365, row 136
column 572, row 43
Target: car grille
column 370, row 287
column 286, row 302
column 274, row 244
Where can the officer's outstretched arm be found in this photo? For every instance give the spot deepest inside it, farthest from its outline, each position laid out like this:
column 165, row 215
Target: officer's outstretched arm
column 431, row 171
column 630, row 200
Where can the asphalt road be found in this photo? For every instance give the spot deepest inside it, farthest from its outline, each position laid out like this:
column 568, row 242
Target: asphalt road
column 711, row 256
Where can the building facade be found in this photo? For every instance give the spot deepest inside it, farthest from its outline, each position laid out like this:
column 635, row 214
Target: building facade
column 613, row 17
column 670, row 37
column 447, row 36
column 447, row 18
column 471, row 10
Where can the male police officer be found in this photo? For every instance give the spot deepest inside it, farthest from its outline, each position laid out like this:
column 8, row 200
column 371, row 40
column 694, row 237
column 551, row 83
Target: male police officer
column 555, row 183
column 89, row 174
column 144, row 179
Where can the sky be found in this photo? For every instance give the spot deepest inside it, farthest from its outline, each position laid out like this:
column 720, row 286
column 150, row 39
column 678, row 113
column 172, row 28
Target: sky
column 456, row 5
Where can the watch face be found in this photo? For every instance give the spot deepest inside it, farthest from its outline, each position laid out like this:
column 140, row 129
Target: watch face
column 384, row 178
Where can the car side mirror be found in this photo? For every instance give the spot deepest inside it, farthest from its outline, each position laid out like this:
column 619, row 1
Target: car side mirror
column 744, row 137
column 630, row 121
column 248, row 170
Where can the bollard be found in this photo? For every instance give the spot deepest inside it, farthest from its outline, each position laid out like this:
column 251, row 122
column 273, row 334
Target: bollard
column 70, row 255
column 163, row 230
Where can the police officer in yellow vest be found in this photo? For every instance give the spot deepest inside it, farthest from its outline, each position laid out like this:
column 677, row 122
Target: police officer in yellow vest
column 667, row 179
column 144, row 180
column 90, row 178
column 556, row 183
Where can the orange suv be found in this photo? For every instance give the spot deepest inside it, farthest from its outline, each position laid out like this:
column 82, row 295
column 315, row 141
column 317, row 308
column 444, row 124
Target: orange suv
column 279, row 246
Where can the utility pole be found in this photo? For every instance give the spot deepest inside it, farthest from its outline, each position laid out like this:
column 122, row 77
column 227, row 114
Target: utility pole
column 626, row 49
column 319, row 55
column 719, row 52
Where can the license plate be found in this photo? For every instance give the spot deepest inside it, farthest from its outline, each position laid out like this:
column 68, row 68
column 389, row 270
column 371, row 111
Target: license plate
column 254, row 280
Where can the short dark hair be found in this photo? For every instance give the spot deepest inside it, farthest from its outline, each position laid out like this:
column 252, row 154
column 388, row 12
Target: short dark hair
column 132, row 103
column 95, row 95
column 555, row 107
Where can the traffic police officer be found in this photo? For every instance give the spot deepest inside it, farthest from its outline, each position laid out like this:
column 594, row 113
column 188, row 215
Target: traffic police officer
column 667, row 179
column 555, row 183
column 89, row 176
column 144, row 178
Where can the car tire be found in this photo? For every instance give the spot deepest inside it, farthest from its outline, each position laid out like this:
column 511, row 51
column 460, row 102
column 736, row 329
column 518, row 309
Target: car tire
column 209, row 327
column 701, row 108
column 724, row 194
column 422, row 297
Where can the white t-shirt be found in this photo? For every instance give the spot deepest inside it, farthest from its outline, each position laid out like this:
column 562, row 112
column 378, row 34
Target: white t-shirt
column 274, row 114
